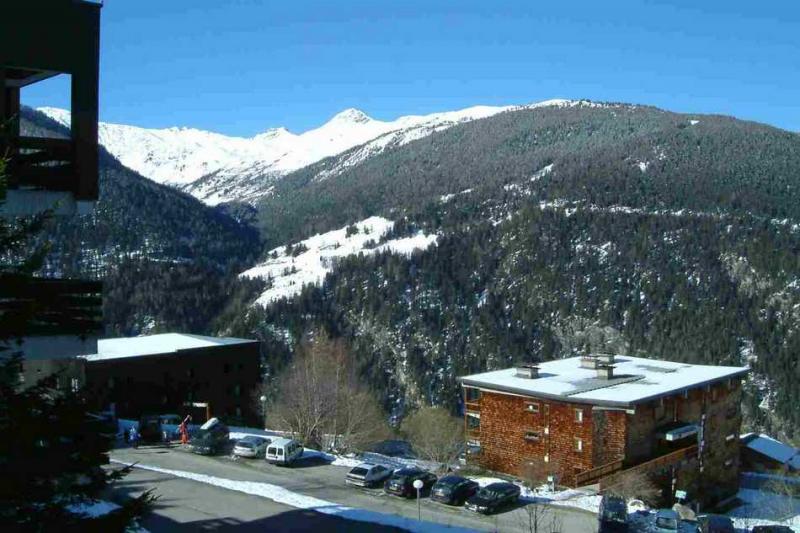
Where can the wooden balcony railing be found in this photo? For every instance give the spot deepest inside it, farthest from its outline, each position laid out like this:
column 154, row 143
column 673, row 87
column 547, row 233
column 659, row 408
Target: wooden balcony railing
column 651, row 465
column 43, row 307
column 589, row 476
column 41, row 163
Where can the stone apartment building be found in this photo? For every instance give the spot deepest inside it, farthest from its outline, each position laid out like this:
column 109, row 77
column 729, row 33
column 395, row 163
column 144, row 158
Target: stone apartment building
column 593, row 418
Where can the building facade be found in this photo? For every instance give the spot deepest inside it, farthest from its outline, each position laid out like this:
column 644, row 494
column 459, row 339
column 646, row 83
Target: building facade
column 593, row 419
column 176, row 373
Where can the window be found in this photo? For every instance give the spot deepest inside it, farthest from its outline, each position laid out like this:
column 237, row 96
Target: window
column 238, row 411
column 533, row 435
column 579, row 416
column 473, row 421
column 75, row 384
column 546, row 458
column 578, row 445
column 226, row 368
column 111, row 383
column 472, row 394
column 190, row 373
column 532, row 407
column 237, row 390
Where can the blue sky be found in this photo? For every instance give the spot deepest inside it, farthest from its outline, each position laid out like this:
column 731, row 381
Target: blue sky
column 242, row 66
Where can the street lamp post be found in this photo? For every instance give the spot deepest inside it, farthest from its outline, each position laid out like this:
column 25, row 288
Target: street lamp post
column 418, row 484
column 263, row 410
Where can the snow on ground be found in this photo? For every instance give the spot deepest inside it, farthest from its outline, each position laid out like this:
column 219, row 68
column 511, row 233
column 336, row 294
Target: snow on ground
column 99, row 508
column 289, row 272
column 284, row 496
column 762, row 507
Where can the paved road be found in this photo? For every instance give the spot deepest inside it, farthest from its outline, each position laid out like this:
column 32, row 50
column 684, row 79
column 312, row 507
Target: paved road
column 192, row 505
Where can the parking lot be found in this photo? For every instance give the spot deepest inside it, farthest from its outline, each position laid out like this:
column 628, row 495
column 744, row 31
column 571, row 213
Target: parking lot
column 186, row 501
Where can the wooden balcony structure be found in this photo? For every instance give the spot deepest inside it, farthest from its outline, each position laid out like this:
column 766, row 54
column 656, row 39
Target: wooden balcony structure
column 40, row 39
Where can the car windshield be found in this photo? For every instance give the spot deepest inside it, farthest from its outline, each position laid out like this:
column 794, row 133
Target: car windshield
column 359, row 471
column 450, row 481
column 245, row 444
column 667, row 522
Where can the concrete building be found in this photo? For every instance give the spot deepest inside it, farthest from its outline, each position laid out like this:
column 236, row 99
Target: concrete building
column 592, row 418
column 175, row 373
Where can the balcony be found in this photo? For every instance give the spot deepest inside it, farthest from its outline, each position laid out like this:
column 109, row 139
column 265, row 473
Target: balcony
column 55, row 318
column 57, row 174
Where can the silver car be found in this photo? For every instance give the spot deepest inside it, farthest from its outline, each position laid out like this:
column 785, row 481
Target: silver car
column 251, row 446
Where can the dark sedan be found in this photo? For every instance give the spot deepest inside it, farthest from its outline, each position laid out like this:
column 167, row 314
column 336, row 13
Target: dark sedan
column 454, row 490
column 402, row 482
column 494, row 497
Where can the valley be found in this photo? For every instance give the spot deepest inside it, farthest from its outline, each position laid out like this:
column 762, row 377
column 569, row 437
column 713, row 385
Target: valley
column 497, row 235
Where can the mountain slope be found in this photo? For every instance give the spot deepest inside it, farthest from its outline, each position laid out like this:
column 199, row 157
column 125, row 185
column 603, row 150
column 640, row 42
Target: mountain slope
column 216, row 168
column 603, row 154
column 139, row 235
column 560, row 229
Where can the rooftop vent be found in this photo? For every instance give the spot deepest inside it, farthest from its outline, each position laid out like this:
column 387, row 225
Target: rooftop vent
column 529, row 371
column 594, row 360
column 605, row 371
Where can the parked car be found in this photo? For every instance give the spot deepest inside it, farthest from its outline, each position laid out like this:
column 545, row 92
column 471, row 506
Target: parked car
column 667, row 521
column 454, row 490
column 712, row 523
column 401, row 483
column 251, row 446
column 158, row 428
column 283, row 452
column 772, row 529
column 493, row 497
column 613, row 514
column 211, row 438
column 367, row 475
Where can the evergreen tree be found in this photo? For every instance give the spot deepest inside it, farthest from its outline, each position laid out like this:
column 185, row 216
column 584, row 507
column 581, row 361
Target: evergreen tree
column 52, row 451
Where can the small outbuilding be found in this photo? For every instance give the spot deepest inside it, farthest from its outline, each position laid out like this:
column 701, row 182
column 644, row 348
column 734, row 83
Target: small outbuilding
column 762, row 453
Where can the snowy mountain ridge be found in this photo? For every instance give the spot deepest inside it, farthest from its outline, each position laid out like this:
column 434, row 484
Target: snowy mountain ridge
column 217, row 168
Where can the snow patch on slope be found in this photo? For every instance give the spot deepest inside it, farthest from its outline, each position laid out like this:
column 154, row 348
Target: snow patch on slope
column 307, row 263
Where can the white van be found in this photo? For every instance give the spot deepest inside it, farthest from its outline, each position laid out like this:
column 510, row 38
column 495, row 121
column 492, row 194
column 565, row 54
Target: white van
column 283, row 451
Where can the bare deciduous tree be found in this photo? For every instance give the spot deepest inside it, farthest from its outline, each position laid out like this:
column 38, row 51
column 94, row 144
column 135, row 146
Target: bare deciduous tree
column 540, row 516
column 321, row 400
column 635, row 485
column 435, row 434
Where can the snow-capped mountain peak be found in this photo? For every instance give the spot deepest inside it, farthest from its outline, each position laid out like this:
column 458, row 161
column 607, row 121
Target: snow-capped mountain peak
column 217, row 168
column 350, row 115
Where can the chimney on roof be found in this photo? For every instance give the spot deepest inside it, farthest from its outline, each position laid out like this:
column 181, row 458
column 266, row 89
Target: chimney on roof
column 605, row 371
column 528, row 370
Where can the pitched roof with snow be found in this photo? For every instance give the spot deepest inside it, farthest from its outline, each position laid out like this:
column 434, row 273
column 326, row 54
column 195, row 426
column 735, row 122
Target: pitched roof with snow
column 635, row 380
column 774, row 449
column 164, row 343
